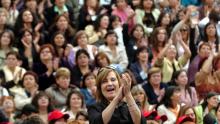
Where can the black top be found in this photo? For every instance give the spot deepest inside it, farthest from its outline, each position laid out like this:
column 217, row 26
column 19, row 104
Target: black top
column 44, row 81
column 121, row 114
column 151, row 95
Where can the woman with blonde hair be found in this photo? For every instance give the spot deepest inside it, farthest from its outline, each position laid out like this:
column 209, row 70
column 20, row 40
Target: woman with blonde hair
column 139, row 95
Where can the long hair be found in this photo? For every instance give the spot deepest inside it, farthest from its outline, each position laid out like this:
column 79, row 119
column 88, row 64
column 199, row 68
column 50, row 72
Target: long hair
column 38, row 96
column 167, row 101
column 175, row 77
column 154, row 41
column 216, row 35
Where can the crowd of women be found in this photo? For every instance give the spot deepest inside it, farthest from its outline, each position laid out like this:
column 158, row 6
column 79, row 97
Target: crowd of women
column 110, row 61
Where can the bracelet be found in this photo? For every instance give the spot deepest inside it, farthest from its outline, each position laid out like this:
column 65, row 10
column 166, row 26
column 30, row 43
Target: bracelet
column 132, row 109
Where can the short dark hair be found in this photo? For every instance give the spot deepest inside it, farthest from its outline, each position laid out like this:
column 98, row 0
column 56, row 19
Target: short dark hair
column 79, row 52
column 15, row 53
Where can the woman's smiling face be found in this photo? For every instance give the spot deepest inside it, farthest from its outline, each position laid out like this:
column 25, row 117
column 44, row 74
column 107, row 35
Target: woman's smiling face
column 110, row 86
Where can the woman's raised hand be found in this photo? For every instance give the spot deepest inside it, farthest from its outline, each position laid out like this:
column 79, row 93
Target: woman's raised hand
column 126, row 82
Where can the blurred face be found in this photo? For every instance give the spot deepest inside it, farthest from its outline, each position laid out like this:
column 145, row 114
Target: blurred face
column 110, row 86
column 81, row 119
column 75, row 101
column 171, row 52
column 8, row 105
column 218, row 114
column 6, row 3
column 166, row 20
column 11, row 61
column 189, row 112
column 148, row 4
column 182, row 79
column 136, row 3
column 104, row 22
column 46, row 54
column 43, row 101
column 5, row 39
column 60, row 3
column 155, row 78
column 102, row 61
column 92, row 3
column 140, row 96
column 176, row 96
column 210, row 30
column 173, row 3
column 90, row 81
column 184, row 31
column 181, row 15
column 62, row 23
column 27, row 17
column 213, row 101
column 27, row 37
column 138, row 33
column 143, row 55
column 121, row 4
column 3, row 18
column 209, row 2
column 83, row 60
column 204, row 51
column 63, row 82
column 59, row 40
column 111, row 39
column 29, row 82
column 116, row 22
column 82, row 40
column 31, row 4
column 161, row 35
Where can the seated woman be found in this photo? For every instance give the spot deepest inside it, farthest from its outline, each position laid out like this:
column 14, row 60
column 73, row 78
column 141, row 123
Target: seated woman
column 111, row 108
column 6, row 44
column 154, row 89
column 59, row 91
column 142, row 65
column 81, row 68
column 8, row 107
column 170, row 104
column 208, row 106
column 45, row 67
column 208, row 79
column 82, row 42
column 27, row 90
column 43, row 104
column 13, row 74
column 188, row 94
column 139, row 95
column 167, row 60
column 89, row 88
column 74, row 103
column 188, row 111
column 116, row 54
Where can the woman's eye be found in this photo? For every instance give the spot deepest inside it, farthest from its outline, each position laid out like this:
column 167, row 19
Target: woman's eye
column 113, row 79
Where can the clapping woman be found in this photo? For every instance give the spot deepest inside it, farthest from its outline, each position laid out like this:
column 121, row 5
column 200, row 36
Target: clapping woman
column 110, row 107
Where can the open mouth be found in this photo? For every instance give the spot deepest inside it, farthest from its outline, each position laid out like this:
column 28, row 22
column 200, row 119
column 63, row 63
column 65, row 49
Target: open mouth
column 110, row 89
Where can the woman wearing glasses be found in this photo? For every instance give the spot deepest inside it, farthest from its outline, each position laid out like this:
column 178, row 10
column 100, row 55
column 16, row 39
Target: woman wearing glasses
column 112, row 92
